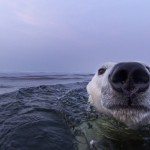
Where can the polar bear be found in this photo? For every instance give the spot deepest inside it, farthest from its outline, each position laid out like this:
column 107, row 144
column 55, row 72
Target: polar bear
column 121, row 90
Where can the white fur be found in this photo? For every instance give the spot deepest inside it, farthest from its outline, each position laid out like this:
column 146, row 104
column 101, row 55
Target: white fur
column 101, row 95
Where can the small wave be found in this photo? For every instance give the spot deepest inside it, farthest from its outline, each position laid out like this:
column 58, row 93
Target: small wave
column 6, row 86
column 40, row 117
column 45, row 77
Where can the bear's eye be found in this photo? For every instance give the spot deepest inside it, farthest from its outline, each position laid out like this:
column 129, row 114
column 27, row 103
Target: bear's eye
column 101, row 71
column 148, row 68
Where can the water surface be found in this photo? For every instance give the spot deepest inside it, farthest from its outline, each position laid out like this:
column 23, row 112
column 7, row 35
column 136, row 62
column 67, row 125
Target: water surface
column 37, row 110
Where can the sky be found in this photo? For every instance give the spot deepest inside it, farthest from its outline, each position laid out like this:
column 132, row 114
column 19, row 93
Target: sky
column 72, row 36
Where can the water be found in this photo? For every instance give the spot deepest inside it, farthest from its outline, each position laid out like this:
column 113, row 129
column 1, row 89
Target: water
column 14, row 81
column 37, row 110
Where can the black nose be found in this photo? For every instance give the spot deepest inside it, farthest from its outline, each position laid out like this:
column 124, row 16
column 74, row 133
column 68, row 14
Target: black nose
column 129, row 78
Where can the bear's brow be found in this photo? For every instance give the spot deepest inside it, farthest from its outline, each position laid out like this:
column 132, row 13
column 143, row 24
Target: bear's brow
column 105, row 66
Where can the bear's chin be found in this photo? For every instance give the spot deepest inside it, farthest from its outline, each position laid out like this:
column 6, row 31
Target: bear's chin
column 130, row 117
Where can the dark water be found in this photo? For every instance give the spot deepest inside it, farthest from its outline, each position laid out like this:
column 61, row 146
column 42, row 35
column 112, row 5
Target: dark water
column 37, row 110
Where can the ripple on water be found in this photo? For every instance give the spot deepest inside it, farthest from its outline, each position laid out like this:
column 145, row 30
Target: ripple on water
column 37, row 117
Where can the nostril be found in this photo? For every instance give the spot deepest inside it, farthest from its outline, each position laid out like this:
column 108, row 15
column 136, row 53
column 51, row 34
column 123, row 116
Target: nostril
column 140, row 77
column 120, row 77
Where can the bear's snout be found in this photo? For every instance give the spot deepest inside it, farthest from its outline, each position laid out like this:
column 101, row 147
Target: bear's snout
column 129, row 78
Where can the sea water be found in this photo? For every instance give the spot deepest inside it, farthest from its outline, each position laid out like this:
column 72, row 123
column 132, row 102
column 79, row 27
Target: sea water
column 37, row 110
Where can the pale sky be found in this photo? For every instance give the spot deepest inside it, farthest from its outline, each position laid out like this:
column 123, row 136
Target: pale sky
column 72, row 35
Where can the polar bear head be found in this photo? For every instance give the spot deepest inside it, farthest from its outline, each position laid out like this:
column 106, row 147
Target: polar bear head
column 122, row 91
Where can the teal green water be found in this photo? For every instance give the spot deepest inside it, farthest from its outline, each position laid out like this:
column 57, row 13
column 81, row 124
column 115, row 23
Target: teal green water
column 107, row 133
